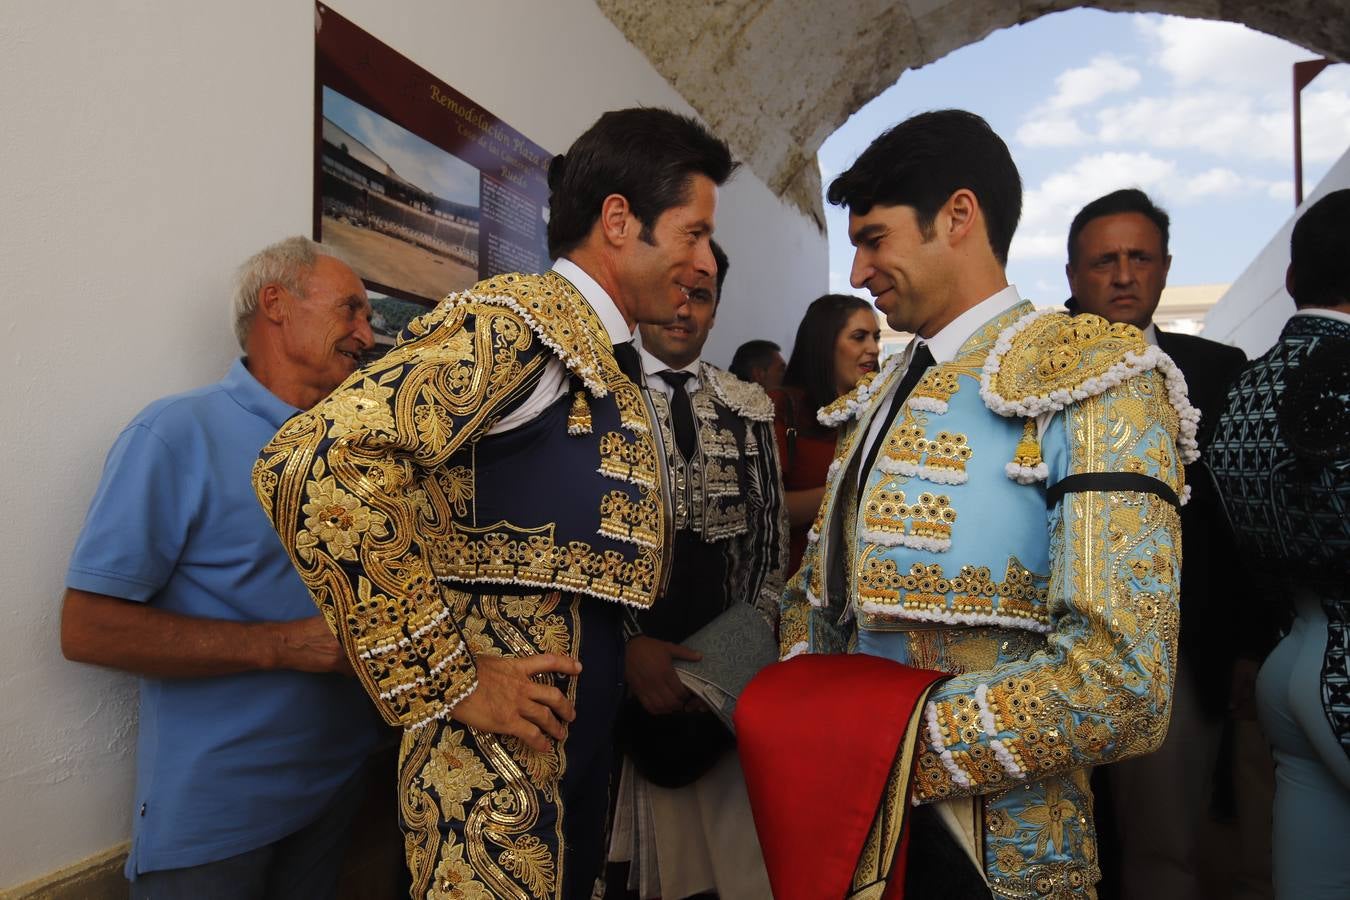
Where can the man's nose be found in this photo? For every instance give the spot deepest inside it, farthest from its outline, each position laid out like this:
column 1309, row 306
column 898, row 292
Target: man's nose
column 365, row 334
column 704, row 262
column 860, row 272
column 1123, row 271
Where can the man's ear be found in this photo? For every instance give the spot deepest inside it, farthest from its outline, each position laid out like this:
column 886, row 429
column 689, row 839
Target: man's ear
column 616, row 220
column 1289, row 280
column 962, row 212
column 272, row 303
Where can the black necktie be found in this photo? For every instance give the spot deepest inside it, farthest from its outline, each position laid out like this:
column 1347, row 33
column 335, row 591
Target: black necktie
column 681, row 412
column 922, row 359
column 626, row 355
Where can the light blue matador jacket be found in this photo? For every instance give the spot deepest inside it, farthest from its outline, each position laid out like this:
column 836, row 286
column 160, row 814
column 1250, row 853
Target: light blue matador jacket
column 1058, row 620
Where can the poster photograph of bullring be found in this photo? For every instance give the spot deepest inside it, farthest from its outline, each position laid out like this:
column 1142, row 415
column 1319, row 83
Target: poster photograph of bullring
column 402, row 211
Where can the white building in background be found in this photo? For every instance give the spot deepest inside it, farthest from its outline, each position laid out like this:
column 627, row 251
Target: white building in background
column 1252, row 312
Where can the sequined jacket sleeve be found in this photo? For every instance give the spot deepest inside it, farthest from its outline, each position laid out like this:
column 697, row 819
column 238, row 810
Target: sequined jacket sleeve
column 357, row 486
column 765, row 546
column 1100, row 689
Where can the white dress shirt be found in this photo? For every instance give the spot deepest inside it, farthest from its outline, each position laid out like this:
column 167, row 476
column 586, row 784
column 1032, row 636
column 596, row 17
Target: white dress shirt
column 553, row 383
column 1325, row 313
column 944, row 346
column 653, row 367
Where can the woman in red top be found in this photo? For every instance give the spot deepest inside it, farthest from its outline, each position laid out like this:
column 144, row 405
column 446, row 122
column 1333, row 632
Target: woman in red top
column 838, row 342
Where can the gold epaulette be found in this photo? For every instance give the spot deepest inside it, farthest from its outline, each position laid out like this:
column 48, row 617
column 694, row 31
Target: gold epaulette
column 1048, row 360
column 554, row 310
column 746, row 399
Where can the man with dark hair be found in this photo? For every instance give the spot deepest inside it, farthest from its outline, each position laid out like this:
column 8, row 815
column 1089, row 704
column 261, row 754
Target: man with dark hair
column 645, row 158
column 923, row 161
column 759, row 361
column 1003, row 511
column 730, row 549
column 1281, row 456
column 1117, row 269
column 472, row 510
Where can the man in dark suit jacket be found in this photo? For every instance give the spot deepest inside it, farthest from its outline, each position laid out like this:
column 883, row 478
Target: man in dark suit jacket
column 1117, row 268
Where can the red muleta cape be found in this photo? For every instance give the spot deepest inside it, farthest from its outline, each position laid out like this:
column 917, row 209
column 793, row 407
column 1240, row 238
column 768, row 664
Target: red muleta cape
column 827, row 743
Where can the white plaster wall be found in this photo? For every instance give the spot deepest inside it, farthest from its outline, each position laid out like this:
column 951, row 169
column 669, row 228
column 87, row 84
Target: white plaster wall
column 1252, row 311
column 148, row 147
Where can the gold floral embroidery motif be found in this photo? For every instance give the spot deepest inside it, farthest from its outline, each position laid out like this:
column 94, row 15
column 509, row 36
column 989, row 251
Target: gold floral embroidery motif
column 886, row 512
column 503, row 553
column 625, row 519
column 905, row 446
column 720, row 479
column 972, row 593
column 626, row 460
column 337, row 520
column 475, row 803
column 364, row 406
column 889, row 519
column 948, row 452
column 1059, row 353
column 939, row 384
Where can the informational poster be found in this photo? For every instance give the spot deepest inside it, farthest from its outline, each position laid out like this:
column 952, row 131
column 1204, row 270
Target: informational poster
column 421, row 190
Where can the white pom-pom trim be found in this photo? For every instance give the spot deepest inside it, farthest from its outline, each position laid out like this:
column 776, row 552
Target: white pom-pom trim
column 935, row 742
column 859, row 397
column 895, row 612
column 1027, row 474
column 915, row 542
column 928, row 404
column 1001, row 752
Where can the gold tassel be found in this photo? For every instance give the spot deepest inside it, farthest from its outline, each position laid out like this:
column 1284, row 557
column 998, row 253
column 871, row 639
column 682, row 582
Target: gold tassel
column 1028, row 453
column 579, row 416
column 1027, row 466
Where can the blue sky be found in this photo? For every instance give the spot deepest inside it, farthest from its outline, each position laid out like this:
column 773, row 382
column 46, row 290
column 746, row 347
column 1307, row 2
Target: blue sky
column 1196, row 113
column 415, row 160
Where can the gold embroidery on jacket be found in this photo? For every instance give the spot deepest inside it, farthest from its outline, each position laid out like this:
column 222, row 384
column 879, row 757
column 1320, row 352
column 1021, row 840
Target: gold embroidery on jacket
column 973, row 592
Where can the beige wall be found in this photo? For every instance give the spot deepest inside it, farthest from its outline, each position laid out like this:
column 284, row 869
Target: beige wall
column 149, row 146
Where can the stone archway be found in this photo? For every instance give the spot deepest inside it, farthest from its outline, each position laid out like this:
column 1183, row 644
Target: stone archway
column 777, row 77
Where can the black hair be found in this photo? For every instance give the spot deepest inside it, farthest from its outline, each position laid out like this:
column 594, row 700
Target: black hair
column 646, row 155
column 1319, row 253
column 811, row 368
column 924, row 160
column 751, row 355
column 723, row 265
column 1125, row 200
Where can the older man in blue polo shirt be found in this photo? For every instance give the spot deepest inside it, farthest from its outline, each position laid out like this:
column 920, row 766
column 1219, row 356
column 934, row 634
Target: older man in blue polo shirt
column 253, row 734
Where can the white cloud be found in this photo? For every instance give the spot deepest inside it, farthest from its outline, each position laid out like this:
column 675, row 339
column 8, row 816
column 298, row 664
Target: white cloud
column 1195, row 51
column 1220, row 123
column 1213, row 181
column 1052, row 124
column 1326, row 115
column 1103, row 75
column 1058, row 197
column 1037, row 245
column 1051, row 130
column 1280, row 190
column 1049, row 207
column 1228, row 97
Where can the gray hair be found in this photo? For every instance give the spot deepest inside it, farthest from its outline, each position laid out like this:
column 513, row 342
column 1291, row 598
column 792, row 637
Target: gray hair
column 287, row 264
